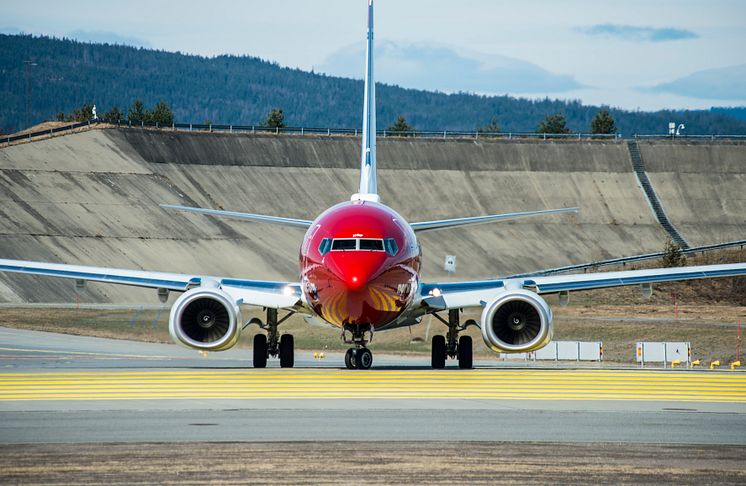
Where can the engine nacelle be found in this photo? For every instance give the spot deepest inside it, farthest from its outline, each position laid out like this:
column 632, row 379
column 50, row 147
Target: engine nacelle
column 205, row 318
column 517, row 321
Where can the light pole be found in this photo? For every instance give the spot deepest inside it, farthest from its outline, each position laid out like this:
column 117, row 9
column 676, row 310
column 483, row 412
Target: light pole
column 27, row 68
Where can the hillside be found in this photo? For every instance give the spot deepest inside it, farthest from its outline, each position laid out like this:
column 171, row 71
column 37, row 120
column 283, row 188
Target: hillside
column 241, row 90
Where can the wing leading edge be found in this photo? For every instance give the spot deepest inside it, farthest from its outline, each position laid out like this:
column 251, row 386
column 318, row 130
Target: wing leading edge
column 251, row 292
column 453, row 295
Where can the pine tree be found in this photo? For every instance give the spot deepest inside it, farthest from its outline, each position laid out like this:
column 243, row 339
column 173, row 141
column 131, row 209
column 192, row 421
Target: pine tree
column 275, row 119
column 672, row 255
column 553, row 124
column 603, row 123
column 113, row 116
column 161, row 114
column 137, row 112
column 401, row 127
column 491, row 127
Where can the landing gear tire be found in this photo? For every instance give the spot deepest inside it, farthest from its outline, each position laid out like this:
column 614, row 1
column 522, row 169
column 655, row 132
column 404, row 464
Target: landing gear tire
column 363, row 359
column 465, row 361
column 350, row 358
column 287, row 354
column 260, row 351
column 438, row 360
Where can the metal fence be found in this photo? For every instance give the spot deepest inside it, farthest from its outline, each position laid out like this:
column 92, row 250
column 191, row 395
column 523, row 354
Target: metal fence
column 429, row 134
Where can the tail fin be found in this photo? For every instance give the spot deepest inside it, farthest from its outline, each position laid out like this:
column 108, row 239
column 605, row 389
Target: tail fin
column 368, row 188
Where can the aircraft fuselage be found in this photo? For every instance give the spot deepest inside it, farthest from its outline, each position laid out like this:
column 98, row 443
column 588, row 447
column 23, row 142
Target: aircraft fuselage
column 360, row 264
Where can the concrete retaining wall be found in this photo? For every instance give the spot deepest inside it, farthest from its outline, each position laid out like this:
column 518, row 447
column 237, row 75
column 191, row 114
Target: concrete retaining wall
column 702, row 187
column 92, row 198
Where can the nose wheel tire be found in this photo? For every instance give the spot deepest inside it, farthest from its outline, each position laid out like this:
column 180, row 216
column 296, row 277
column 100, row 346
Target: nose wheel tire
column 260, row 351
column 465, row 361
column 363, row 359
column 350, row 358
column 358, row 359
column 438, row 360
column 287, row 354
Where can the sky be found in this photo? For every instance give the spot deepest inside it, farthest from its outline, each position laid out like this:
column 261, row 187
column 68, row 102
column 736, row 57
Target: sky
column 633, row 54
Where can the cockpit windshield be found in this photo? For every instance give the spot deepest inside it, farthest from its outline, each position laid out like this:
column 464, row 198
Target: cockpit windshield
column 358, row 244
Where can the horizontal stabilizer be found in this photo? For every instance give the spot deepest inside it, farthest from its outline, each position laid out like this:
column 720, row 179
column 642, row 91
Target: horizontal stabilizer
column 298, row 223
column 455, row 223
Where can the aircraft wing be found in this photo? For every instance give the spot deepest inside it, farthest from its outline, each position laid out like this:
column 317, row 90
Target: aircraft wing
column 451, row 295
column 455, row 223
column 252, row 292
column 300, row 223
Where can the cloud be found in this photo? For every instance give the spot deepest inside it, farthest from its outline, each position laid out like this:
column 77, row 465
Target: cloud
column 638, row 34
column 443, row 69
column 106, row 37
column 727, row 83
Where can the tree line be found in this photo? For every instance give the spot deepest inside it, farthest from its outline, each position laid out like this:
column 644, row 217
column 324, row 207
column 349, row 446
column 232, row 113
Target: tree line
column 243, row 89
column 160, row 114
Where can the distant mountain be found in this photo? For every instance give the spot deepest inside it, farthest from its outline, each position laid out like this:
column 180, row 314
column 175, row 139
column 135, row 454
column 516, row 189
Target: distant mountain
column 241, row 90
column 727, row 83
column 438, row 68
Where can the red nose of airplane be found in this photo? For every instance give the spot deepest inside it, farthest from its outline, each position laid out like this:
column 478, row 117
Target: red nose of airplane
column 356, row 269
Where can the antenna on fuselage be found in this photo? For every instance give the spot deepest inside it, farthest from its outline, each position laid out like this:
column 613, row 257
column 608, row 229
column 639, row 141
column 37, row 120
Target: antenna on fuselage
column 368, row 189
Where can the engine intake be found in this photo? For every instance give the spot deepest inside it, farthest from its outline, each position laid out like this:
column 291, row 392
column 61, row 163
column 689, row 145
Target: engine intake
column 205, row 319
column 517, row 321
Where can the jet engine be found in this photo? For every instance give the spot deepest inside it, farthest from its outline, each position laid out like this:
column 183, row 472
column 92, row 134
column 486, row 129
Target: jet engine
column 205, row 318
column 517, row 321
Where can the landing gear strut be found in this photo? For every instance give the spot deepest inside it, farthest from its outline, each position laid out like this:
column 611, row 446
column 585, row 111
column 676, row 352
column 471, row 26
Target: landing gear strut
column 272, row 344
column 452, row 345
column 358, row 357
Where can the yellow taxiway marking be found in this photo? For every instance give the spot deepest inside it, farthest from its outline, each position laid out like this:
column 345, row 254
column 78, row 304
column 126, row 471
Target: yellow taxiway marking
column 415, row 384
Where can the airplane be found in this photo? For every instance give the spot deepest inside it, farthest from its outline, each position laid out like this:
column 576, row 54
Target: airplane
column 360, row 272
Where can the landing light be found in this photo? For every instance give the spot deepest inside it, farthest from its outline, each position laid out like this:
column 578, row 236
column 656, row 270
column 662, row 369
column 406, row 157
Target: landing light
column 435, row 292
column 288, row 291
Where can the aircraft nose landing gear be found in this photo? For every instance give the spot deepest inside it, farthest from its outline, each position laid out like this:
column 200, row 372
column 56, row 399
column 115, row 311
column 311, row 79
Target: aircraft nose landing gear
column 358, row 357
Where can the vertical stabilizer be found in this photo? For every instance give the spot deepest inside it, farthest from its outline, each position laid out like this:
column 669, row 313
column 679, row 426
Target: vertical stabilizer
column 368, row 190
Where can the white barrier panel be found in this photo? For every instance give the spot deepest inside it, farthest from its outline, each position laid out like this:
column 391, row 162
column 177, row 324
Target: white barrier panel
column 547, row 352
column 514, row 356
column 569, row 351
column 591, row 351
column 680, row 351
column 658, row 352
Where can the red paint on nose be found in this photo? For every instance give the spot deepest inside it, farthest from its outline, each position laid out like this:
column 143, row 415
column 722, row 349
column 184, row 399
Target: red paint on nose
column 356, row 268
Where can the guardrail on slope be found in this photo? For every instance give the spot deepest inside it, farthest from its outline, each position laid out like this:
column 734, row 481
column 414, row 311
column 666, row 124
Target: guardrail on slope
column 632, row 259
column 431, row 134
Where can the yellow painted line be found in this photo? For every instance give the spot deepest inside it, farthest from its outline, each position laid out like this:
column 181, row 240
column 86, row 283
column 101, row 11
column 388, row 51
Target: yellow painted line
column 330, row 384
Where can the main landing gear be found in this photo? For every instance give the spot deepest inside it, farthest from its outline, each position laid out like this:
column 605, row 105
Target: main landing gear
column 358, row 357
column 272, row 344
column 452, row 345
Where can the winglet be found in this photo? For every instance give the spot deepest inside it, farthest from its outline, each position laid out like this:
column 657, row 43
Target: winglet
column 368, row 190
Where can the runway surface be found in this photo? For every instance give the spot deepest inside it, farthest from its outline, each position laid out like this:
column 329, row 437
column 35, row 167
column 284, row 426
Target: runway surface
column 57, row 388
